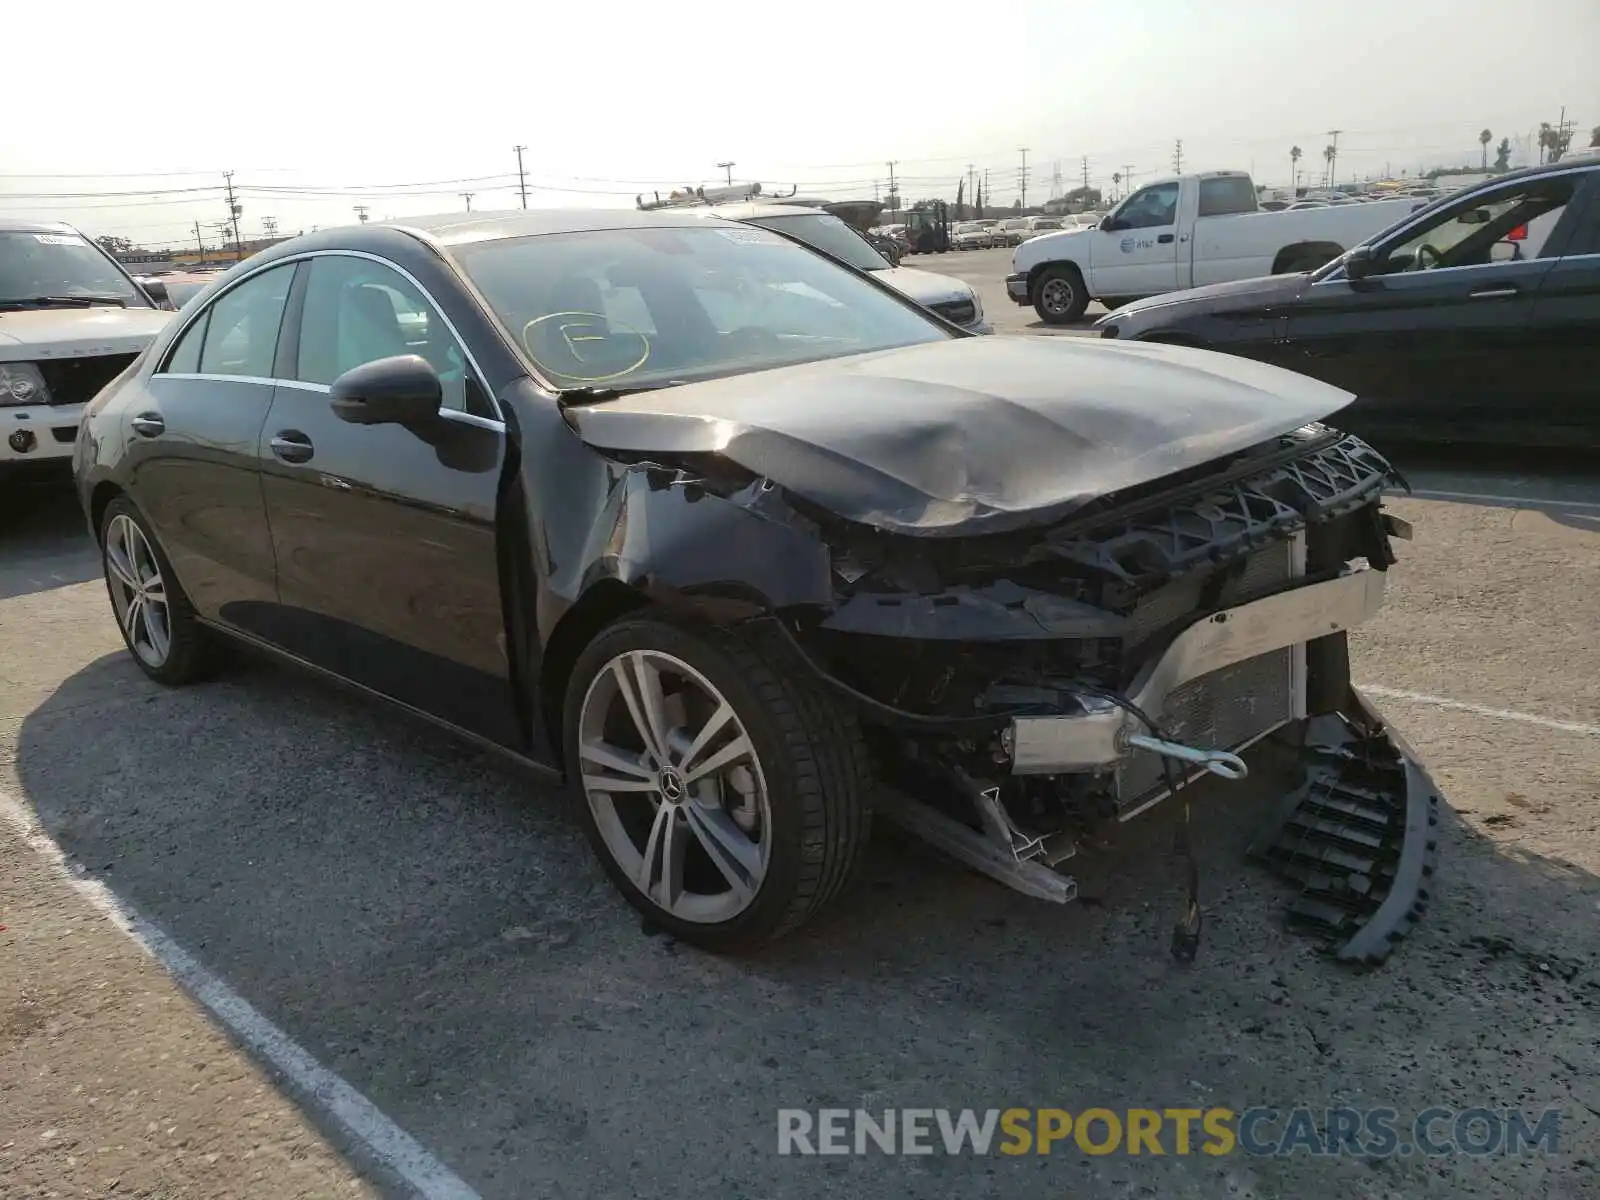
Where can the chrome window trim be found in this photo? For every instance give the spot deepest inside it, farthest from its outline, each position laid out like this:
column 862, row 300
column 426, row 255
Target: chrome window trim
column 496, row 422
column 450, row 414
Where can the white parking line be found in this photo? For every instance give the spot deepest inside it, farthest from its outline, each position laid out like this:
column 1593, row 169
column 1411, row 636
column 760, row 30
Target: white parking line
column 352, row 1112
column 1487, row 498
column 1482, row 710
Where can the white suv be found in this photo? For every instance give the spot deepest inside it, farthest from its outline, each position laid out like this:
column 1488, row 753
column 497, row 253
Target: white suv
column 71, row 320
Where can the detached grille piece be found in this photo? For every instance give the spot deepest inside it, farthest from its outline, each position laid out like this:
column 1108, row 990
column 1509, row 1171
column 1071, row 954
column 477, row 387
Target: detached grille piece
column 962, row 312
column 1359, row 839
column 78, row 380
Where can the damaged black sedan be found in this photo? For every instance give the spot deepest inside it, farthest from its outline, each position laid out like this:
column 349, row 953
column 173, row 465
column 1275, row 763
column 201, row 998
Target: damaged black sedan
column 748, row 548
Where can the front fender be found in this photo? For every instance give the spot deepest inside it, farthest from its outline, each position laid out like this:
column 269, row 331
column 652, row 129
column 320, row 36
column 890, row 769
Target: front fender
column 670, row 538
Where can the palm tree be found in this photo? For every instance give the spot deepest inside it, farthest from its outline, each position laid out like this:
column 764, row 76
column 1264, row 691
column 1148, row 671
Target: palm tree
column 1484, row 138
column 1547, row 139
column 1327, row 154
column 1294, row 167
column 1116, row 178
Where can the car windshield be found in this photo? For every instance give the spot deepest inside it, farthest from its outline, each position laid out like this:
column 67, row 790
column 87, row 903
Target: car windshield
column 648, row 307
column 830, row 235
column 971, row 227
column 36, row 266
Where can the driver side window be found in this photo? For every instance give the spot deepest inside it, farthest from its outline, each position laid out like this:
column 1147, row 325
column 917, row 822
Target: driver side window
column 358, row 311
column 1151, row 208
column 1507, row 225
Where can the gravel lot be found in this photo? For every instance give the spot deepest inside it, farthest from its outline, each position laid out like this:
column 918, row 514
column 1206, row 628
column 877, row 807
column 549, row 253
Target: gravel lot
column 429, row 924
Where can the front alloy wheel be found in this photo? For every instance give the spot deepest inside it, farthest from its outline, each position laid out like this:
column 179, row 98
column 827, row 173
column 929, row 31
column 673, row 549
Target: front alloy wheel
column 675, row 786
column 1059, row 296
column 725, row 795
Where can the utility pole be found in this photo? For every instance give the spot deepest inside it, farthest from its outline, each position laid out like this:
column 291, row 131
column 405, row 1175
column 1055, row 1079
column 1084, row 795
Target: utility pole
column 1086, row 172
column 269, row 226
column 361, row 213
column 522, row 176
column 1333, row 158
column 728, row 167
column 894, row 191
column 233, row 216
column 199, row 241
column 972, row 182
column 1022, row 180
column 1177, row 158
column 467, row 196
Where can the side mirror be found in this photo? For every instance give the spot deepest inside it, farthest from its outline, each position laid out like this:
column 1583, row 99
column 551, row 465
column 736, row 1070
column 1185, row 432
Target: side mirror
column 157, row 291
column 1474, row 216
column 1112, row 225
column 1359, row 263
column 403, row 390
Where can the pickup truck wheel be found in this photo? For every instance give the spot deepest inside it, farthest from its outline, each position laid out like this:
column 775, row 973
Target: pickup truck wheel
column 154, row 615
column 726, row 796
column 1059, row 296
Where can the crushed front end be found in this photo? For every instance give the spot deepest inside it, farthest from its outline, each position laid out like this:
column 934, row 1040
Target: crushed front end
column 1022, row 689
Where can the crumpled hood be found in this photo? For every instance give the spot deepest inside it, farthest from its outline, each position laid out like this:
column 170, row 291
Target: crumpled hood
column 974, row 435
column 45, row 333
column 925, row 287
column 1233, row 295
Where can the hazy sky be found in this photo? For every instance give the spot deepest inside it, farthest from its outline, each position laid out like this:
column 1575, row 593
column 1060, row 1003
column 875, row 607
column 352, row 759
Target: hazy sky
column 614, row 96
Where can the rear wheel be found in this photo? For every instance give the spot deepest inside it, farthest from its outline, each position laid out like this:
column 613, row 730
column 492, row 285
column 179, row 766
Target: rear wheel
column 726, row 797
column 157, row 621
column 1059, row 296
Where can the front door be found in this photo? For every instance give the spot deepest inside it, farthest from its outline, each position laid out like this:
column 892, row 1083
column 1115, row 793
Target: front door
column 192, row 459
column 385, row 535
column 1435, row 341
column 1136, row 252
column 1565, row 334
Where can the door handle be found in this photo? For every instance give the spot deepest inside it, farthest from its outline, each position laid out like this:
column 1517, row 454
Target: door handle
column 292, row 446
column 149, row 425
column 1495, row 293
column 1164, row 238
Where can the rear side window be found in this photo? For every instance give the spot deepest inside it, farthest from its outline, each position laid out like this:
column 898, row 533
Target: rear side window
column 185, row 358
column 242, row 326
column 1226, row 196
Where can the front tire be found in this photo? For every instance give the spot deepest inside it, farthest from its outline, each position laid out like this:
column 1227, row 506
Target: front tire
column 726, row 796
column 157, row 622
column 1059, row 296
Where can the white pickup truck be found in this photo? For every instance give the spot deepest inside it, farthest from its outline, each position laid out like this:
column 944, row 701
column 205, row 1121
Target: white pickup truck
column 1183, row 232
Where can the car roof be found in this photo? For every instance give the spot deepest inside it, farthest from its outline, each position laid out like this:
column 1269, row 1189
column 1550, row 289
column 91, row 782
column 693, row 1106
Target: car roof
column 24, row 225
column 454, row 229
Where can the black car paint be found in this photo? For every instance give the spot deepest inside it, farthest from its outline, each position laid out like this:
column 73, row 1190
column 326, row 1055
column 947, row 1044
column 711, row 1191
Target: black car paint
column 458, row 572
column 1440, row 355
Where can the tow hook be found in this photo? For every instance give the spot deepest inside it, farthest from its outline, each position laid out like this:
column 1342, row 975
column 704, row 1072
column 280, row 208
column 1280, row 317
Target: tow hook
column 1220, row 763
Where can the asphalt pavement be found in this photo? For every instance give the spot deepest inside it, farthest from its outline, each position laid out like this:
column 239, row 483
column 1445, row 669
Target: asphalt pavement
column 428, row 926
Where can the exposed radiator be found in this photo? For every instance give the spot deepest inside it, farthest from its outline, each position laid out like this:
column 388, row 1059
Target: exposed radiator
column 1232, row 707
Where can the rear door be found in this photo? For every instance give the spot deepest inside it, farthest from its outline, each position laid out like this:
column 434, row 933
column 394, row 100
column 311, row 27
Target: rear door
column 1435, row 343
column 192, row 448
column 385, row 534
column 1137, row 255
column 1565, row 330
